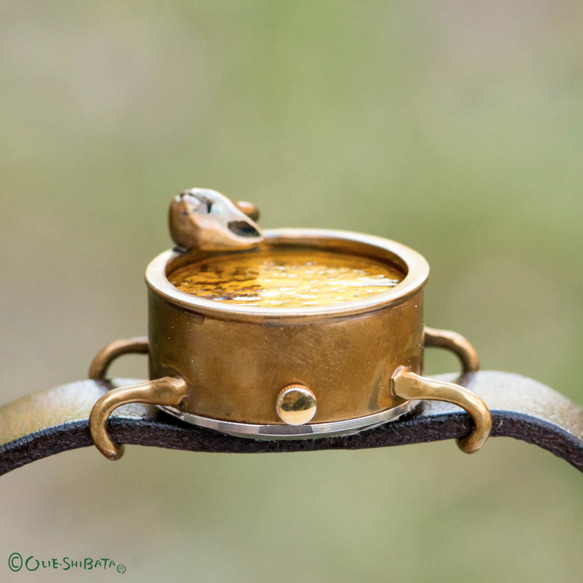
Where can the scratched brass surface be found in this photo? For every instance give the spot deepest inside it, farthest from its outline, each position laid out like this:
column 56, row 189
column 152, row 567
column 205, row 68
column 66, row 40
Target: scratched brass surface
column 237, row 358
column 236, row 369
column 286, row 278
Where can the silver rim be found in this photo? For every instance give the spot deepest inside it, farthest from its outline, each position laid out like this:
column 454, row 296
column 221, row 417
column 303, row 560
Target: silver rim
column 311, row 431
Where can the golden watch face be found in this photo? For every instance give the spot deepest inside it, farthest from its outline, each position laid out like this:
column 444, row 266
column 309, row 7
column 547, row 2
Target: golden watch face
column 286, row 279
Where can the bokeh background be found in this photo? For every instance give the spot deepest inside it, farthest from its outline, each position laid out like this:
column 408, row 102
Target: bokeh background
column 455, row 128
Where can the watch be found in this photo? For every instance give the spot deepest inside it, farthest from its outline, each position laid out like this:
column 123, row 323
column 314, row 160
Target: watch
column 284, row 340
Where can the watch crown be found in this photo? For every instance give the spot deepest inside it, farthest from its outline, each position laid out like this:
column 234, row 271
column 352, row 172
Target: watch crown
column 296, row 405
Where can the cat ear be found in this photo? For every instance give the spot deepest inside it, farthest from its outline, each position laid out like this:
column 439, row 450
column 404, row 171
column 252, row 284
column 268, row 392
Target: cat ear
column 193, row 198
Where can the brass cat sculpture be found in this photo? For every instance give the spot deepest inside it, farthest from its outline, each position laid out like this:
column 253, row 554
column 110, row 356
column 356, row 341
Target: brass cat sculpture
column 207, row 220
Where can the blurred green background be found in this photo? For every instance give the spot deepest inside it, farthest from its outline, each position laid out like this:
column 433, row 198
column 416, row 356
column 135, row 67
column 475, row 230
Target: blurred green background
column 455, row 128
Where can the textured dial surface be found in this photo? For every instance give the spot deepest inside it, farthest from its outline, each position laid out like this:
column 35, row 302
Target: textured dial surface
column 286, row 278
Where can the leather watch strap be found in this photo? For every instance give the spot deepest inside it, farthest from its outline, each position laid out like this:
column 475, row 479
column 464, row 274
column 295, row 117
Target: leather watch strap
column 56, row 420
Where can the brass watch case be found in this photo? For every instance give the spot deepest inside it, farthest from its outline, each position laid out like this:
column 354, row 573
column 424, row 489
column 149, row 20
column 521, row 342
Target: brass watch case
column 361, row 361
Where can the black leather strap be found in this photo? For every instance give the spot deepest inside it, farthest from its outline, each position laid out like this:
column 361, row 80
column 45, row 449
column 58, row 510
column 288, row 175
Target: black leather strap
column 56, row 420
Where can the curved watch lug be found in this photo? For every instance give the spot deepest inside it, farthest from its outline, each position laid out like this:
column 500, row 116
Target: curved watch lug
column 412, row 386
column 102, row 360
column 456, row 343
column 167, row 391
